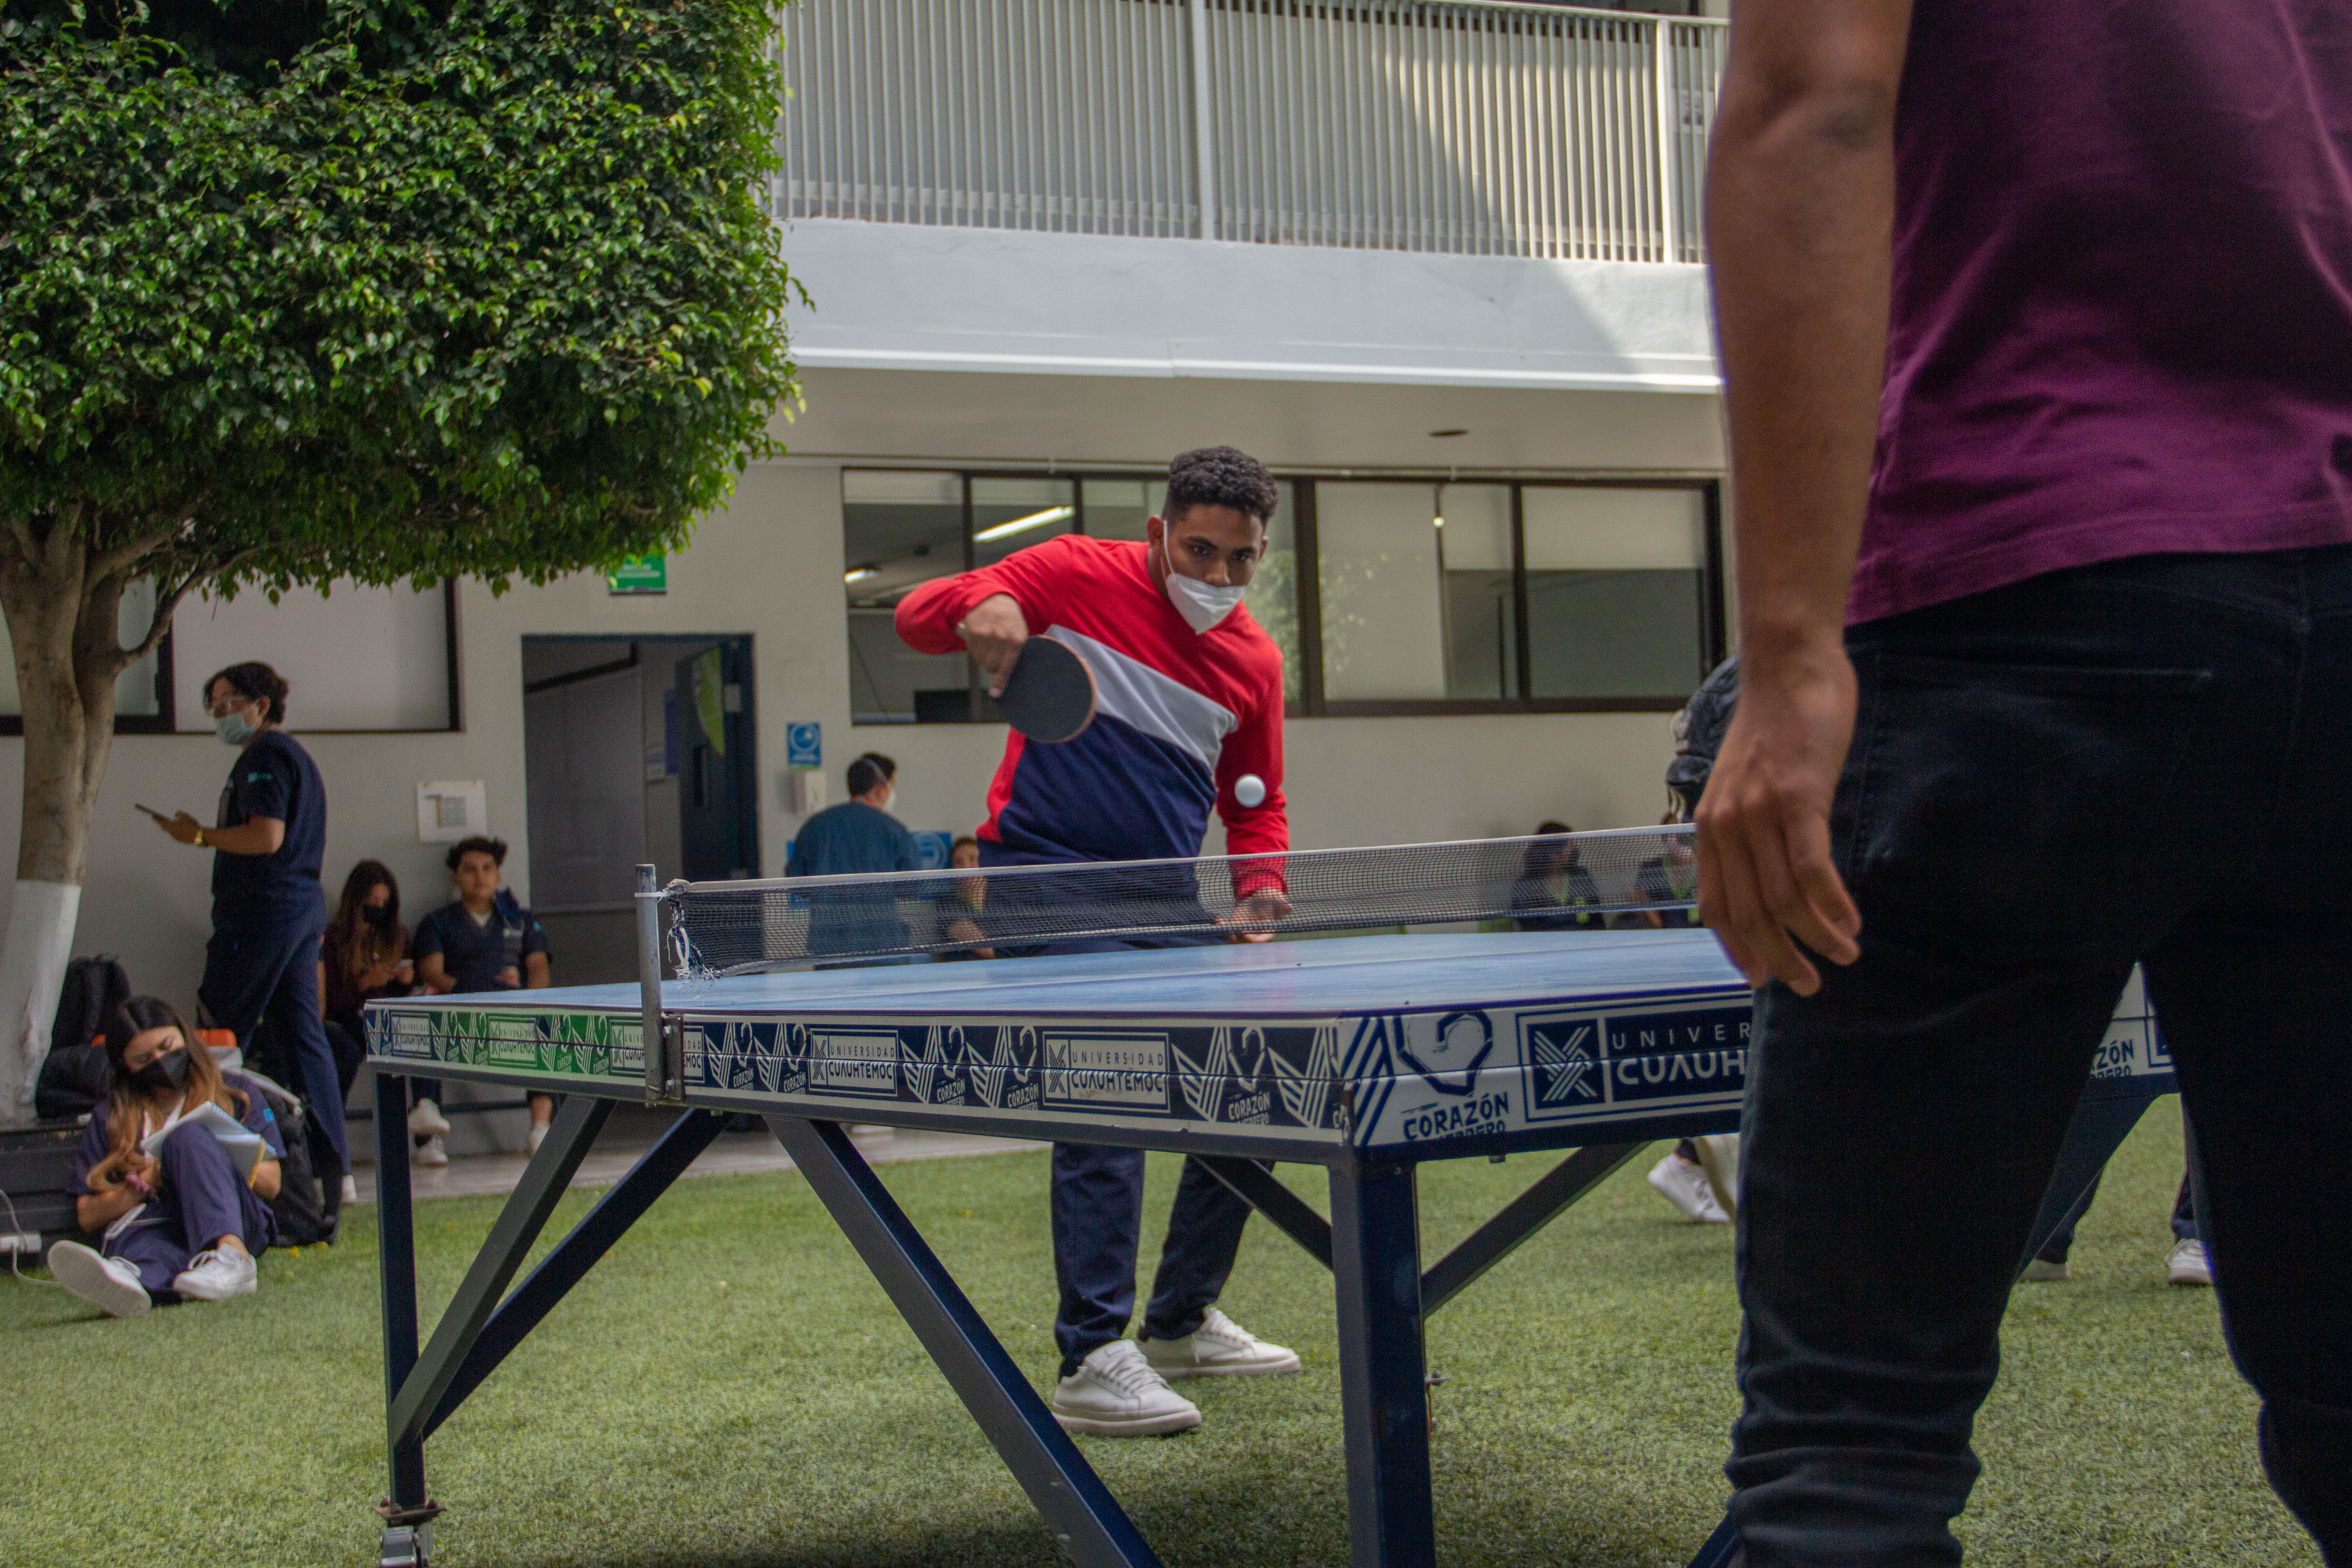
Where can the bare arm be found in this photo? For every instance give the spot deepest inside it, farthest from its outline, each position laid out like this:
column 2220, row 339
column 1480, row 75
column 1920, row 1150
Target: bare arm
column 434, row 972
column 1800, row 203
column 256, row 836
column 537, row 975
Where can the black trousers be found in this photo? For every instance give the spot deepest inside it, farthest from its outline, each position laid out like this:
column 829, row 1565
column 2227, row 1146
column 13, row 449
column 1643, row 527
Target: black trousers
column 2149, row 760
column 269, row 969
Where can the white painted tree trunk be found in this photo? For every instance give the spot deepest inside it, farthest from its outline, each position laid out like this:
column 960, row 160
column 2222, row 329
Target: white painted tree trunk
column 33, row 958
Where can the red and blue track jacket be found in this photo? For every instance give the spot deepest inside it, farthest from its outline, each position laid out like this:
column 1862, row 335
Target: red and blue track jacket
column 1180, row 715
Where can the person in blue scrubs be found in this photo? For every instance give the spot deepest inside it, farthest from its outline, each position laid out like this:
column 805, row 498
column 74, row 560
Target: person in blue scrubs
column 267, row 838
column 483, row 939
column 858, row 838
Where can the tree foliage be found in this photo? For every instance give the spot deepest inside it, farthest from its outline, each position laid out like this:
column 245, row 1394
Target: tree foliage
column 294, row 290
column 364, row 289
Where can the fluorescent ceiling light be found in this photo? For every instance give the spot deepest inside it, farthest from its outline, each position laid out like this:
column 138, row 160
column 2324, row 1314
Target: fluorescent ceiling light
column 1020, row 524
column 858, row 573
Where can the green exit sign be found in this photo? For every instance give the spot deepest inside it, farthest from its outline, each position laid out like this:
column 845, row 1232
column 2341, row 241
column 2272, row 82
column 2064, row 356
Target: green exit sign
column 640, row 575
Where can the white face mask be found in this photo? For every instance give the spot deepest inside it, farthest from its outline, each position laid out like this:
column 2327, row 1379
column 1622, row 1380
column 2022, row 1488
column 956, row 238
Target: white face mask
column 232, row 728
column 1202, row 604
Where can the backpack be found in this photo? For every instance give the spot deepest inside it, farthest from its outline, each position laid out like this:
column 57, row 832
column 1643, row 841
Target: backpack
column 73, row 1082
column 305, row 1212
column 93, row 988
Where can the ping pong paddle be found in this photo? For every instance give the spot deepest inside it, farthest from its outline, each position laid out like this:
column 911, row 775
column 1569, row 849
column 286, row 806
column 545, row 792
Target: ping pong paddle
column 1050, row 694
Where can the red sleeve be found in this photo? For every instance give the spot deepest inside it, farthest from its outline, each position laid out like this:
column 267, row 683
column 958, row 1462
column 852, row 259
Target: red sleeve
column 1255, row 747
column 1037, row 577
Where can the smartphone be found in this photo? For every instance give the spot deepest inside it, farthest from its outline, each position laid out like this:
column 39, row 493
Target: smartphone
column 153, row 812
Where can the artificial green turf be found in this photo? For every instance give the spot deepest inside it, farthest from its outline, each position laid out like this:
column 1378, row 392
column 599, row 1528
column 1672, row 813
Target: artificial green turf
column 729, row 1388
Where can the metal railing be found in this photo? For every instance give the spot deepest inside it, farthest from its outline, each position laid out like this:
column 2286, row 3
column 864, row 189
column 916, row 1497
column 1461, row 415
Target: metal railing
column 1466, row 127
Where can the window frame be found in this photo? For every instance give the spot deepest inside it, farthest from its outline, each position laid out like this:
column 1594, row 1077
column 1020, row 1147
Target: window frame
column 164, row 720
column 1305, row 542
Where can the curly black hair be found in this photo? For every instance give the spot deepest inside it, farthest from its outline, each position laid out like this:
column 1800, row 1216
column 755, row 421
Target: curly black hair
column 1220, row 476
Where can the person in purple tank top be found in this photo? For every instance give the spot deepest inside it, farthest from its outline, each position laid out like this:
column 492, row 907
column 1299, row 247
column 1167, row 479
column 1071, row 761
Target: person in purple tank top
column 2036, row 323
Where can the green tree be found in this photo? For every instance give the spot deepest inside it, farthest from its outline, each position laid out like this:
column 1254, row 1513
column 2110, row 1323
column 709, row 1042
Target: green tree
column 298, row 290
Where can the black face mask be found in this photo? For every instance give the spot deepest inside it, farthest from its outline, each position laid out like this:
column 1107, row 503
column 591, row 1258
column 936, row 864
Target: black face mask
column 378, row 915
column 168, row 1071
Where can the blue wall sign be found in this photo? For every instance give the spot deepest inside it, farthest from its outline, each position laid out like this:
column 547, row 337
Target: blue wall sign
column 803, row 745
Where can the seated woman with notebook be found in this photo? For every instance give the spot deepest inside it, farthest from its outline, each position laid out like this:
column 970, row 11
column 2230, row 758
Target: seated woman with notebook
column 177, row 1168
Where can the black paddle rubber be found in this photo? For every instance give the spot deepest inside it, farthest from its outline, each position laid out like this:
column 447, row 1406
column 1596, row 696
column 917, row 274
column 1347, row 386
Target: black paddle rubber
column 1050, row 695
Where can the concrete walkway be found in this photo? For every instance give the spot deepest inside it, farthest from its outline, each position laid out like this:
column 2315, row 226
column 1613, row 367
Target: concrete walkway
column 630, row 1134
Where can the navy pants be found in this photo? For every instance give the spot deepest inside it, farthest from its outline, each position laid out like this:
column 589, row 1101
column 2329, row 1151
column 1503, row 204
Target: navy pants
column 1098, row 1223
column 269, row 969
column 2147, row 759
column 200, row 1199
column 1099, row 1229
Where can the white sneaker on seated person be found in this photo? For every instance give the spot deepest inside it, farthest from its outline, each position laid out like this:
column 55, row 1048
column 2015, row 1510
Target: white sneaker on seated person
column 425, row 1120
column 217, row 1275
column 109, row 1284
column 1682, row 1183
column 1115, row 1393
column 1218, row 1347
column 351, row 1190
column 432, row 1151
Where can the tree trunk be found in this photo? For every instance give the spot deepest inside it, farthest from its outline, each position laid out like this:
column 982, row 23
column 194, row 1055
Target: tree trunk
column 62, row 632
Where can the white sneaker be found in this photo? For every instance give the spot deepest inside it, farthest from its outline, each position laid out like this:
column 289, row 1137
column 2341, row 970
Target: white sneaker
column 429, row 1152
column 217, row 1275
column 2043, row 1271
column 1718, row 1156
column 351, row 1190
column 1685, row 1185
column 1218, row 1347
column 538, row 1136
column 1116, row 1393
column 425, row 1120
column 109, row 1284
column 2186, row 1264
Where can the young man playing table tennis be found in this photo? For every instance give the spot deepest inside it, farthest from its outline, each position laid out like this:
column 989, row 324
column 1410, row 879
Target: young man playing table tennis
column 1188, row 716
column 2037, row 337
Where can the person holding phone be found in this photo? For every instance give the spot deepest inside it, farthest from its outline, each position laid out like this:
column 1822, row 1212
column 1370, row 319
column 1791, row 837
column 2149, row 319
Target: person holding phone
column 268, row 838
column 482, row 941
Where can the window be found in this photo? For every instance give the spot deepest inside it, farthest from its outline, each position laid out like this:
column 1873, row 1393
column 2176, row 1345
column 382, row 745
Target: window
column 1385, row 595
column 360, row 660
column 902, row 528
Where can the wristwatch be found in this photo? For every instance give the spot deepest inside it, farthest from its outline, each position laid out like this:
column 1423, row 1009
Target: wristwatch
column 199, row 839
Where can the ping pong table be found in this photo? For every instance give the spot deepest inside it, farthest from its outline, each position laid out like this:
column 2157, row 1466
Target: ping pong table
column 1367, row 1056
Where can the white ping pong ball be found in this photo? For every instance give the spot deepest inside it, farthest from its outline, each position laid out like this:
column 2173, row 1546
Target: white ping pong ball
column 1250, row 790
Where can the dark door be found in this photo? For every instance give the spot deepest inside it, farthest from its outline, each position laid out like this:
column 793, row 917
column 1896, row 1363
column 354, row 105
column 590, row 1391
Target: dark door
column 718, row 798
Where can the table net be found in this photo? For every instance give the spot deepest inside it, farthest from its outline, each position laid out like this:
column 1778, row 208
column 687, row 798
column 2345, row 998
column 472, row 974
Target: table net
column 1557, row 882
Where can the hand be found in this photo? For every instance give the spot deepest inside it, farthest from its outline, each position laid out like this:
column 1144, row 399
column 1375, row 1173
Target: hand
column 181, row 827
column 510, row 977
column 1764, row 869
column 404, row 971
column 993, row 632
column 1265, row 904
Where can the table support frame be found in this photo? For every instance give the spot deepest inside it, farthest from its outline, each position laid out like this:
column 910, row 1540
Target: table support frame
column 1371, row 1244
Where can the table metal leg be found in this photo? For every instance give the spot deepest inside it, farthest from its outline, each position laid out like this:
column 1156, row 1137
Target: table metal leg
column 1522, row 1218
column 1075, row 1505
column 578, row 1252
column 1383, row 1390
column 1254, row 1182
column 406, row 1510
column 534, row 1198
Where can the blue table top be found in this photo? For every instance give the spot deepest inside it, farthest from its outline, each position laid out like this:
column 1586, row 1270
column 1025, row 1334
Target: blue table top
column 1341, row 976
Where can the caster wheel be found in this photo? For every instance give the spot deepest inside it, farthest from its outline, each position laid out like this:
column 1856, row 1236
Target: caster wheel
column 404, row 1547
